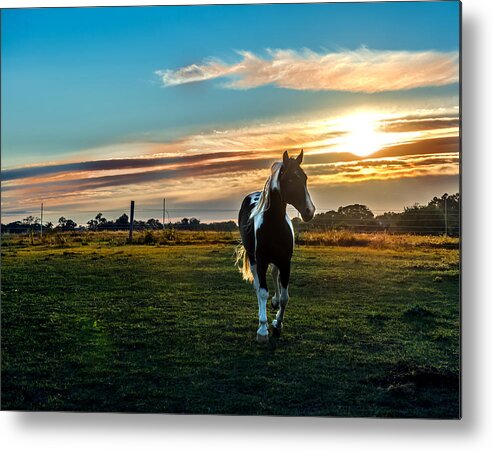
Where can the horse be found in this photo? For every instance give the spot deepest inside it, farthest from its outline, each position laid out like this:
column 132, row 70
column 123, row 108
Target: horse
column 267, row 237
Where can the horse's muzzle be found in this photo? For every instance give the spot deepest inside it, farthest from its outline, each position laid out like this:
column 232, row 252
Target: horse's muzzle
column 308, row 214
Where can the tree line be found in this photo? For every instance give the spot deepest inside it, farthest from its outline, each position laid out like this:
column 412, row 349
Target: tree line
column 32, row 224
column 440, row 215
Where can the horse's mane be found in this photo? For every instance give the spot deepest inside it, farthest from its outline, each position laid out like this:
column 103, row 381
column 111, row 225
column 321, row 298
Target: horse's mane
column 272, row 183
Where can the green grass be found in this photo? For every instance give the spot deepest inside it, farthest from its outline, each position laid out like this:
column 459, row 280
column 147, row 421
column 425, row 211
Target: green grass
column 172, row 237
column 95, row 326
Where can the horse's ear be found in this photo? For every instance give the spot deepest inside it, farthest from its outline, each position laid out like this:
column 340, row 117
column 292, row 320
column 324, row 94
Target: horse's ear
column 299, row 158
column 285, row 158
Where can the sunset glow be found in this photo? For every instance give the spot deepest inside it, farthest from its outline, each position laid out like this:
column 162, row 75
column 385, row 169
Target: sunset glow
column 363, row 136
column 344, row 150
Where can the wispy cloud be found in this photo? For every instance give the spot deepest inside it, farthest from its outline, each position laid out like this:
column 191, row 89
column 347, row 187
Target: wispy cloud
column 321, row 139
column 361, row 70
column 445, row 144
column 408, row 166
column 195, row 183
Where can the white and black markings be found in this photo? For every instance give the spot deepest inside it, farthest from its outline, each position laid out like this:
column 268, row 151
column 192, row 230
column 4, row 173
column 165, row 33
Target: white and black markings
column 267, row 236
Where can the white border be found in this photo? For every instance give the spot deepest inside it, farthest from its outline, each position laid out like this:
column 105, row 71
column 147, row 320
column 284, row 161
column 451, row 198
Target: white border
column 20, row 431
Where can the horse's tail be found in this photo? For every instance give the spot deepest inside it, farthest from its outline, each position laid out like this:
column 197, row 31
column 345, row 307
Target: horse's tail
column 243, row 263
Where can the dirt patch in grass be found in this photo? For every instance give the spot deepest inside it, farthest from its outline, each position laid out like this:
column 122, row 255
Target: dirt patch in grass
column 418, row 312
column 407, row 375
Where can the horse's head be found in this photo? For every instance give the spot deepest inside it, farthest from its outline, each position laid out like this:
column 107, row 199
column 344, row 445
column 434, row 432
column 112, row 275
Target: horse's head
column 292, row 182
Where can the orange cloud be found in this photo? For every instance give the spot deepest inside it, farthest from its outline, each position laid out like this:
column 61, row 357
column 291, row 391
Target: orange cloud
column 407, row 166
column 361, row 70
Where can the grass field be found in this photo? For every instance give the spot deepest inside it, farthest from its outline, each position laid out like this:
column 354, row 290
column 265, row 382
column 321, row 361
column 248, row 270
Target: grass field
column 370, row 330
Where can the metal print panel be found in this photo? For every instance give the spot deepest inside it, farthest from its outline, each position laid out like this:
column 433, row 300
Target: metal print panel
column 242, row 209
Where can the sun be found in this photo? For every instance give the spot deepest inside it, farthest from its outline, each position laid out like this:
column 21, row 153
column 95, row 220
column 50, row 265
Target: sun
column 361, row 134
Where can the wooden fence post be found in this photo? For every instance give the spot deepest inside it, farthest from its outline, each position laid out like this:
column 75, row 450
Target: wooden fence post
column 446, row 217
column 164, row 211
column 132, row 209
column 41, row 220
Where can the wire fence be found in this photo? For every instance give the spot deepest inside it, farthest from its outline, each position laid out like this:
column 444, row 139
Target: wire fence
column 116, row 211
column 397, row 220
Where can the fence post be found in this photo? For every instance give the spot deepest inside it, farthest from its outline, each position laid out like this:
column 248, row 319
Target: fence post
column 132, row 208
column 164, row 211
column 41, row 220
column 446, row 218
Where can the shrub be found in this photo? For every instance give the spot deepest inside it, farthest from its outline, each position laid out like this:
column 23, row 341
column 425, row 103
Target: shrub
column 149, row 237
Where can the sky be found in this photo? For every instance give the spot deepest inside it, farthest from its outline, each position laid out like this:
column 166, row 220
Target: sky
column 101, row 106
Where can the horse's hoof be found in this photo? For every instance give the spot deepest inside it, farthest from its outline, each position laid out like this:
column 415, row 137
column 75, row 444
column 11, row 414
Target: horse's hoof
column 262, row 339
column 276, row 329
column 276, row 332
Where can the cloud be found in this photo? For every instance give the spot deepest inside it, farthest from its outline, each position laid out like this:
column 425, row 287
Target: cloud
column 223, row 165
column 423, row 146
column 132, row 179
column 204, row 182
column 412, row 125
column 361, row 70
column 408, row 166
column 114, row 164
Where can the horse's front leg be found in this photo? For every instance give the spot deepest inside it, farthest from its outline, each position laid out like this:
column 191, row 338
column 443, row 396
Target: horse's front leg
column 277, row 293
column 262, row 296
column 283, row 299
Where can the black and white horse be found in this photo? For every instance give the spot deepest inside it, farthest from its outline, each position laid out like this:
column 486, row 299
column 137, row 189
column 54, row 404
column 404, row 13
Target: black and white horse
column 267, row 236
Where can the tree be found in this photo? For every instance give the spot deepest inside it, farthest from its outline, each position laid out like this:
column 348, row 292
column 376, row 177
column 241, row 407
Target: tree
column 66, row 224
column 297, row 221
column 97, row 223
column 355, row 211
column 439, row 215
column 449, row 207
column 153, row 224
column 92, row 224
column 18, row 227
column 388, row 221
column 31, row 220
column 328, row 220
column 357, row 217
column 122, row 221
column 31, row 223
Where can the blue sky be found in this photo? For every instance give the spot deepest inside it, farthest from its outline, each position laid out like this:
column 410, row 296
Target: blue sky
column 74, row 78
column 85, row 78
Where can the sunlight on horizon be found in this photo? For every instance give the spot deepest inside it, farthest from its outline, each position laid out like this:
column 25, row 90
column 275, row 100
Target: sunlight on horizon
column 363, row 136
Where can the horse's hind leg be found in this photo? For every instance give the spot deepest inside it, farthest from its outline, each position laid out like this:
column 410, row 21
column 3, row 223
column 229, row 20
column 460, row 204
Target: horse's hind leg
column 262, row 296
column 277, row 295
column 283, row 300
